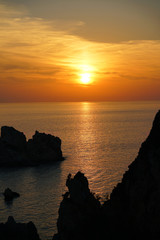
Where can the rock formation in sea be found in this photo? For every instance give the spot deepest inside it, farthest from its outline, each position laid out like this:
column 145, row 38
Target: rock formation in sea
column 131, row 212
column 18, row 231
column 9, row 195
column 15, row 150
column 78, row 210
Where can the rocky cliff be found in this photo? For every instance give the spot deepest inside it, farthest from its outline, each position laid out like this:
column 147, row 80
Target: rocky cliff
column 78, row 211
column 15, row 150
column 133, row 210
column 135, row 202
column 18, row 231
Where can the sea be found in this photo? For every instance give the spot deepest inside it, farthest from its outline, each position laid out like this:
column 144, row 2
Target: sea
column 101, row 139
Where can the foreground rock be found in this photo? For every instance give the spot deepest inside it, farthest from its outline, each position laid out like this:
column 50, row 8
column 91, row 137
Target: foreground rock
column 78, row 211
column 9, row 195
column 18, row 231
column 16, row 151
column 133, row 210
column 135, row 202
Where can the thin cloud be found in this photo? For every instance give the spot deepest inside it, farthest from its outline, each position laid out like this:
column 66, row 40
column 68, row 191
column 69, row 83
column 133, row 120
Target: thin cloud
column 34, row 51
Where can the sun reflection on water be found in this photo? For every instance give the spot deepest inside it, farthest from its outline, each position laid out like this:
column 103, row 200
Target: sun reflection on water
column 100, row 139
column 88, row 140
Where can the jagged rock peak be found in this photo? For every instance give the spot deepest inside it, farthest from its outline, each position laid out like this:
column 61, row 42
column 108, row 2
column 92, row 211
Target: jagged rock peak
column 78, row 187
column 133, row 210
column 16, row 151
column 13, row 137
column 11, row 230
column 79, row 211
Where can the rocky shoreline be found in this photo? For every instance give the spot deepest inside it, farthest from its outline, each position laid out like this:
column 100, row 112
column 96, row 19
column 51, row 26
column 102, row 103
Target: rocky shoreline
column 18, row 231
column 131, row 212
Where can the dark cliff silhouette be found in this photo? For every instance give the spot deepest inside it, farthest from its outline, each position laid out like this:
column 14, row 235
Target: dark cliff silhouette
column 16, row 151
column 133, row 210
column 18, row 231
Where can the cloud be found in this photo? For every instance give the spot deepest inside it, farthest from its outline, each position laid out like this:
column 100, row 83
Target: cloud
column 34, row 52
column 105, row 20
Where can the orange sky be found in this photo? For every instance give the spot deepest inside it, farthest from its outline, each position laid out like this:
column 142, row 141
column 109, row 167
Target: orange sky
column 41, row 60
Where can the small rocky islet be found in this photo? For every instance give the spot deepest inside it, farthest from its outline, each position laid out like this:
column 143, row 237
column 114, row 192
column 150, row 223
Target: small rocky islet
column 131, row 212
column 9, row 195
column 16, row 151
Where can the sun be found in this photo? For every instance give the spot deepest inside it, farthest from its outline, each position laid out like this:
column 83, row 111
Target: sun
column 85, row 78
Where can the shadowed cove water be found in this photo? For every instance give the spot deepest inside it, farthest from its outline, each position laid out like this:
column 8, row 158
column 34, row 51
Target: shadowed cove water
column 99, row 139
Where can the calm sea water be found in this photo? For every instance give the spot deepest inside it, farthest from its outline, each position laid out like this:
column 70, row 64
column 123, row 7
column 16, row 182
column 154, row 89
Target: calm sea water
column 100, row 139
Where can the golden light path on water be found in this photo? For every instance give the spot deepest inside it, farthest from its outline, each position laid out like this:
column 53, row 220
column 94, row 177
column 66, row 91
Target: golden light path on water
column 99, row 139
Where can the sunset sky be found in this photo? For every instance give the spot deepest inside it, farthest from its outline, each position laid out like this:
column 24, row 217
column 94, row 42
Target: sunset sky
column 86, row 50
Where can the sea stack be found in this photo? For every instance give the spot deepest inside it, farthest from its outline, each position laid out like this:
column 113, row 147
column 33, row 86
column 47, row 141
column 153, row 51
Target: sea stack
column 131, row 212
column 78, row 211
column 16, row 151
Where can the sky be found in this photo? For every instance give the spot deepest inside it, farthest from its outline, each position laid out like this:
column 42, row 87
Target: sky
column 88, row 50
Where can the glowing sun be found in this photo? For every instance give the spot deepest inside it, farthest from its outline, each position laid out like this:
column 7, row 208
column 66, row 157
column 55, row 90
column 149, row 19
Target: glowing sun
column 85, row 78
